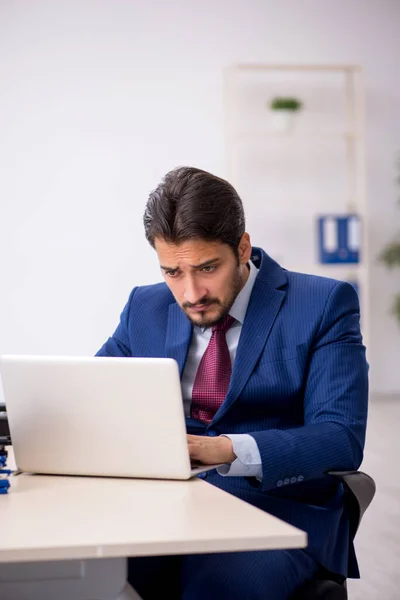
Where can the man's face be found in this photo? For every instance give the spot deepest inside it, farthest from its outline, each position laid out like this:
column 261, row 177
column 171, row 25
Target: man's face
column 204, row 277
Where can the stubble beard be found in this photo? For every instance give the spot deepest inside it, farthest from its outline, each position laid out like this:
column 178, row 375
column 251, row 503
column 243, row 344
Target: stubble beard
column 224, row 305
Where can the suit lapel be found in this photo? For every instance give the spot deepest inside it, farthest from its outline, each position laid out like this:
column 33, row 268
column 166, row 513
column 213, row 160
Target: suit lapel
column 179, row 335
column 264, row 305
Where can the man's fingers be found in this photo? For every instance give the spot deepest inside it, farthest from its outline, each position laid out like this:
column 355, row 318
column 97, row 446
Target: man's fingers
column 195, row 448
column 194, row 452
column 193, row 444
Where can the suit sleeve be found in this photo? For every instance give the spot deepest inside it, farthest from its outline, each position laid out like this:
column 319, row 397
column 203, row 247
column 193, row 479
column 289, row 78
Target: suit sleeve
column 335, row 403
column 118, row 344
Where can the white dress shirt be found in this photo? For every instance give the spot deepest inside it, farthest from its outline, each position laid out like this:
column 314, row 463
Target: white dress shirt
column 248, row 461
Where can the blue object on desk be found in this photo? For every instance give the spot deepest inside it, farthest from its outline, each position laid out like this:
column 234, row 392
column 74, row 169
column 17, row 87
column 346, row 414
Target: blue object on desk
column 4, row 483
column 339, row 239
column 4, row 473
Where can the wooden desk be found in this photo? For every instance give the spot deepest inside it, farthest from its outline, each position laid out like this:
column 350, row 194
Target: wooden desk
column 59, row 518
column 47, row 518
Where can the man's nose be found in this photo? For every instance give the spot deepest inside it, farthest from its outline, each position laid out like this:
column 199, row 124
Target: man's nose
column 194, row 293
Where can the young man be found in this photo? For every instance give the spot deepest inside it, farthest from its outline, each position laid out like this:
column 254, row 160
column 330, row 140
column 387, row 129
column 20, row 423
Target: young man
column 274, row 382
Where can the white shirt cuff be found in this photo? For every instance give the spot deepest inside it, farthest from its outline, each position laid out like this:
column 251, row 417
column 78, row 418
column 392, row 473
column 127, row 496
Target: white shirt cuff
column 248, row 461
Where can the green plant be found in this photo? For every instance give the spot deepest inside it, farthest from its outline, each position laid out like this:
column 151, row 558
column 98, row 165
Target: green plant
column 285, row 103
column 390, row 256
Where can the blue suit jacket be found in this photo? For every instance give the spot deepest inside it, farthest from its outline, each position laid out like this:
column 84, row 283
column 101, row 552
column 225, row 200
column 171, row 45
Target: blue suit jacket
column 299, row 386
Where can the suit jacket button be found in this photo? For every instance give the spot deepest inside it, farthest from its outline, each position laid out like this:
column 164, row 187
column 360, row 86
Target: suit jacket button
column 286, row 481
column 279, row 483
column 300, row 478
column 293, row 480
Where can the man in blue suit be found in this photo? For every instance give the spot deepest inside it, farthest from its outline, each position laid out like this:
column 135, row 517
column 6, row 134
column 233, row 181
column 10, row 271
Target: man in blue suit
column 274, row 384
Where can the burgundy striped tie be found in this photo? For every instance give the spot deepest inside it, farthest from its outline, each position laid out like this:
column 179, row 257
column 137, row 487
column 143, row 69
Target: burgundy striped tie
column 213, row 374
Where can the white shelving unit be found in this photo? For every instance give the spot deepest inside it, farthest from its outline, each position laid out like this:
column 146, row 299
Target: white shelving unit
column 286, row 180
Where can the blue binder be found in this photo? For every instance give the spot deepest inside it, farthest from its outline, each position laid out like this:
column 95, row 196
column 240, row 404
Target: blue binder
column 339, row 238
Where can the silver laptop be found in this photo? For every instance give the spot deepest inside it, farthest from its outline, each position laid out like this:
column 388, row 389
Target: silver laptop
column 120, row 417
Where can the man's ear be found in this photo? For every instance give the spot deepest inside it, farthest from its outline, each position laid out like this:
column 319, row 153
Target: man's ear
column 244, row 249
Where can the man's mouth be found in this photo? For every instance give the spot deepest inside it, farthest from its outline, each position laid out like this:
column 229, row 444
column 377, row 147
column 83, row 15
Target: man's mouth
column 199, row 307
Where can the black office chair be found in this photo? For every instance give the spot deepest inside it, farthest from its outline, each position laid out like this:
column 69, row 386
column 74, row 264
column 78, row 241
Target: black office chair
column 360, row 490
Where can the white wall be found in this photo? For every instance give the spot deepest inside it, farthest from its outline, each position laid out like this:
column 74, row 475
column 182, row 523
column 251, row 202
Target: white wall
column 98, row 99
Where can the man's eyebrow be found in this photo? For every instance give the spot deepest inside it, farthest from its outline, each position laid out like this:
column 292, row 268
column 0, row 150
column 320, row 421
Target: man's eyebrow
column 207, row 263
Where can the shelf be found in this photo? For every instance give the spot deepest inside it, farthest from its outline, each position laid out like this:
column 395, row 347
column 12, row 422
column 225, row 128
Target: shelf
column 309, row 135
column 319, row 157
column 264, row 67
column 335, row 270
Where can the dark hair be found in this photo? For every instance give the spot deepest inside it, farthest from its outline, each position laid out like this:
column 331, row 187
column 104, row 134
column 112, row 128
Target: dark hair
column 191, row 203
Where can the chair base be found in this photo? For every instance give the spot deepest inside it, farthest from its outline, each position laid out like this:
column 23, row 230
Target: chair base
column 319, row 589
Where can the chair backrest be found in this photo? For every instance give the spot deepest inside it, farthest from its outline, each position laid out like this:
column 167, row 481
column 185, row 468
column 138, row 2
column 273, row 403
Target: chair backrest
column 362, row 489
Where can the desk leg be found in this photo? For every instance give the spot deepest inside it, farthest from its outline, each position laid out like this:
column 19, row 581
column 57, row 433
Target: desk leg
column 95, row 579
column 128, row 593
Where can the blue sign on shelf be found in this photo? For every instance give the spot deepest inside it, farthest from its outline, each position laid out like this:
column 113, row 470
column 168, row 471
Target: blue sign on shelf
column 339, row 239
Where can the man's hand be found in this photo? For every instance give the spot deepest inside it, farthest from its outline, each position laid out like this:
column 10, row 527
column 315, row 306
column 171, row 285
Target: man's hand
column 210, row 450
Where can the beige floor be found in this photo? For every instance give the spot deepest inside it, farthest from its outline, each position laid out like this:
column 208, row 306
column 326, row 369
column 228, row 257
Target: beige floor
column 378, row 539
